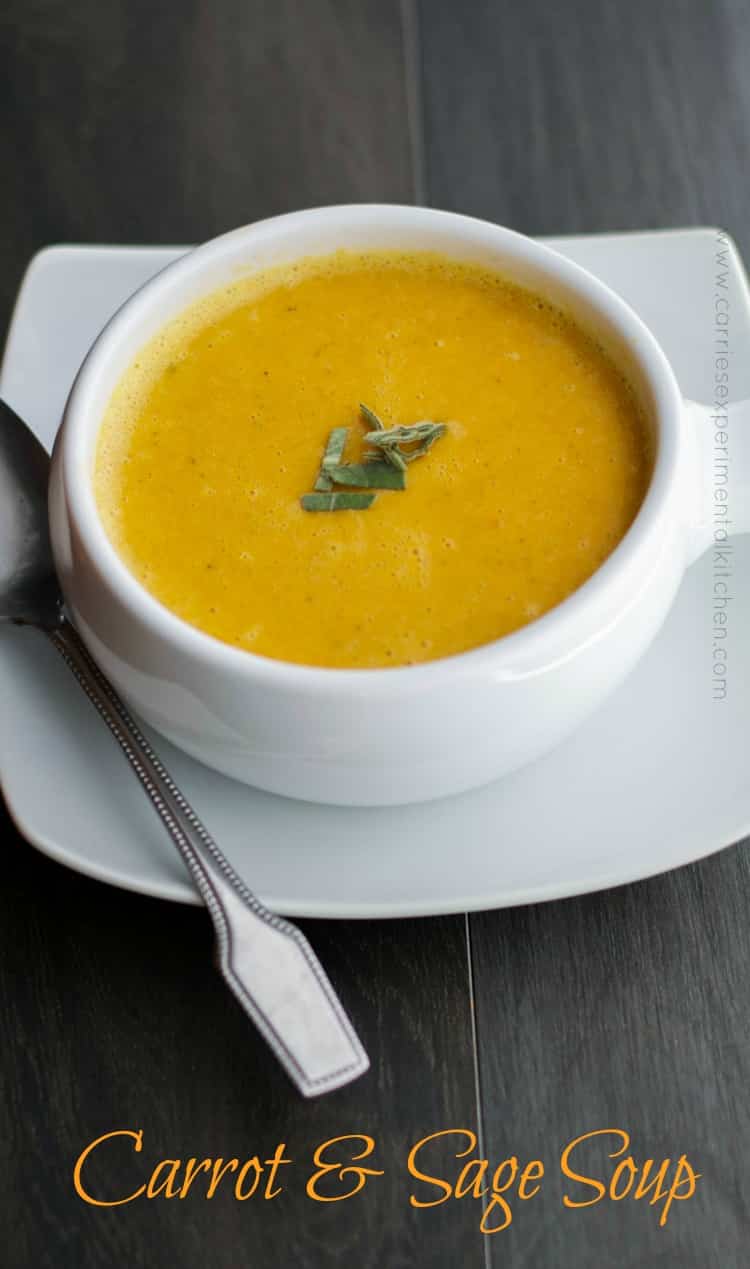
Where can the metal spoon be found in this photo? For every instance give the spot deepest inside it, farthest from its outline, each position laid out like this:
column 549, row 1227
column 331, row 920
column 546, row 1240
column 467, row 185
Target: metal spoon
column 266, row 961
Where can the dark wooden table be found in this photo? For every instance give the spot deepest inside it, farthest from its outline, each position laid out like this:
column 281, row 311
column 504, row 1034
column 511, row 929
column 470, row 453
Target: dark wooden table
column 129, row 121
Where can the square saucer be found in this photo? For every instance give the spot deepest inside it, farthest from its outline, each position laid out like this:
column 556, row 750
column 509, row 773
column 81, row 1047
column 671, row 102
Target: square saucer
column 655, row 779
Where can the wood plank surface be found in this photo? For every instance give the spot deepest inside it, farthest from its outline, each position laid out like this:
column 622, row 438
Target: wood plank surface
column 128, row 121
column 592, row 116
column 113, row 1018
column 627, row 1009
column 132, row 122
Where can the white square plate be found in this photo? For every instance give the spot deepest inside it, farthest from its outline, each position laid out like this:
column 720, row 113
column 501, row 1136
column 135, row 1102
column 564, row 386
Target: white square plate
column 658, row 777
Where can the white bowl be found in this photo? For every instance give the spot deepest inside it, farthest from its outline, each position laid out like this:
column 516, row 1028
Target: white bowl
column 375, row 737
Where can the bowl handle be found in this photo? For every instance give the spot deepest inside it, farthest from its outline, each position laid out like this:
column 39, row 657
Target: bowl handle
column 718, row 453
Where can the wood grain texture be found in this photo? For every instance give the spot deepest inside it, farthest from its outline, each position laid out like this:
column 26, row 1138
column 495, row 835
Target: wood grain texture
column 627, row 1009
column 594, row 116
column 112, row 1017
column 128, row 121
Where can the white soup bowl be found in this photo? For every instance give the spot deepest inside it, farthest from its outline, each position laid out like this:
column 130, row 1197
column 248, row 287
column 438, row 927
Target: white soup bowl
column 374, row 737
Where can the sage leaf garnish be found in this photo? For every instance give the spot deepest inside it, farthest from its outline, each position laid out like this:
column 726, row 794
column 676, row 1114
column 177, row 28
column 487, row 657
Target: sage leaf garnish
column 339, row 500
column 389, row 450
column 376, row 423
column 392, row 454
column 421, row 435
column 427, row 442
column 389, row 453
column 331, row 457
column 375, row 475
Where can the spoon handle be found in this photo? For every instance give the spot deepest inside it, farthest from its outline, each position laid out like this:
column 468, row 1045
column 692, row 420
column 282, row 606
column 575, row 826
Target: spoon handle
column 267, row 961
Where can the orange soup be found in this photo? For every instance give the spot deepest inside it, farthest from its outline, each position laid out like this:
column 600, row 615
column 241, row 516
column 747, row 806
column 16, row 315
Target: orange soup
column 220, row 428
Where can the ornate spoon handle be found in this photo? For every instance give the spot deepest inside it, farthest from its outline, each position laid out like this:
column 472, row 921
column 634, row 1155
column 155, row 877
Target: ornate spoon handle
column 267, row 961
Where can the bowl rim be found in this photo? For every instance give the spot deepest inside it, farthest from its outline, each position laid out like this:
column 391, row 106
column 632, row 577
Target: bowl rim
column 533, row 643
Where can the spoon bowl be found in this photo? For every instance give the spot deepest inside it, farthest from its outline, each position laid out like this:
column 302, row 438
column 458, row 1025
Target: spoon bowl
column 29, row 591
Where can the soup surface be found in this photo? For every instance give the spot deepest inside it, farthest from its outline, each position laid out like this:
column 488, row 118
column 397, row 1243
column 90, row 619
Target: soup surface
column 219, row 428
